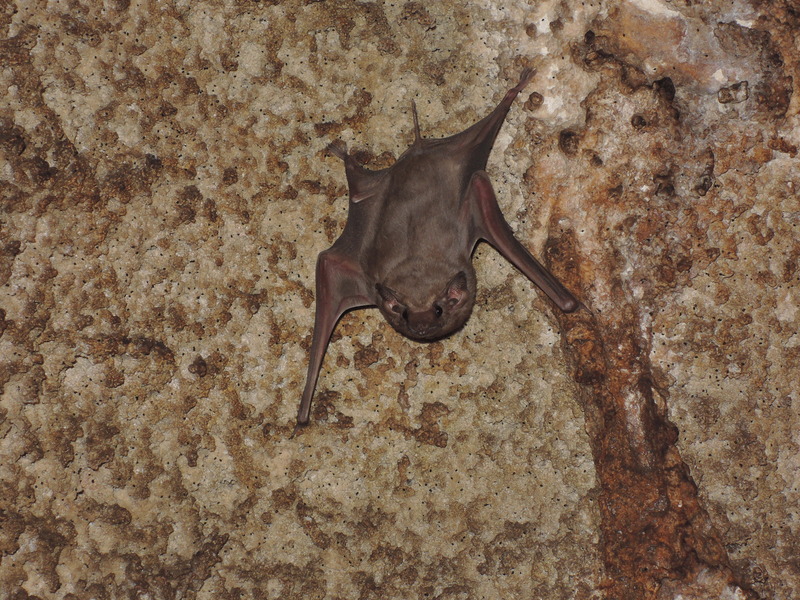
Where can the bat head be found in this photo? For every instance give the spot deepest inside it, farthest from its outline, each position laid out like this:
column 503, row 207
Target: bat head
column 436, row 315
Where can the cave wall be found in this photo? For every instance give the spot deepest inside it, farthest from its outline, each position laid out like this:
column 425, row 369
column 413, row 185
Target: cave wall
column 166, row 191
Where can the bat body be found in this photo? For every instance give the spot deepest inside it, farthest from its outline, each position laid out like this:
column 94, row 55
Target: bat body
column 410, row 234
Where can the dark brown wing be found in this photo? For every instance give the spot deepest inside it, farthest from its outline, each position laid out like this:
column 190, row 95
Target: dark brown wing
column 490, row 225
column 341, row 286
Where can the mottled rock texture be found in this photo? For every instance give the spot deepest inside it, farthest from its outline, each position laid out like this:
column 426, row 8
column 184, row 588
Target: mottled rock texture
column 165, row 193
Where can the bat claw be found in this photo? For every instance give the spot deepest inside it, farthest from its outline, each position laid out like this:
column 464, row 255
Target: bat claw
column 297, row 428
column 525, row 78
column 338, row 148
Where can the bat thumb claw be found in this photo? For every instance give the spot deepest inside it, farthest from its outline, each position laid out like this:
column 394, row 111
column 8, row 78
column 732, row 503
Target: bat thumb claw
column 298, row 427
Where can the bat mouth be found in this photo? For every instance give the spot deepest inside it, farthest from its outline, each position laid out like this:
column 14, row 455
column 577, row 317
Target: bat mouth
column 429, row 335
column 426, row 336
column 423, row 326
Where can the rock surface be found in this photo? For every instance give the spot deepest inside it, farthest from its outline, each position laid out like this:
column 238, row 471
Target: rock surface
column 164, row 195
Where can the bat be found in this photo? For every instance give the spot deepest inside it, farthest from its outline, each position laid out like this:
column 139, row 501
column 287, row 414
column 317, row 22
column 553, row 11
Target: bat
column 409, row 238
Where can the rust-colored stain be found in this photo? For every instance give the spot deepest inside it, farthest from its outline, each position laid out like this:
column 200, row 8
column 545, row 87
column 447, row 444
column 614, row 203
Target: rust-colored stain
column 657, row 538
column 654, row 528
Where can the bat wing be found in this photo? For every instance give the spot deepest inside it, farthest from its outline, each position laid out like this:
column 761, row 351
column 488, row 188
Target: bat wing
column 474, row 144
column 491, row 225
column 341, row 286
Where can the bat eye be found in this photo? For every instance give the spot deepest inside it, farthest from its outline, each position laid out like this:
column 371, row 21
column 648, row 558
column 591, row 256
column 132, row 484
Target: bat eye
column 405, row 314
column 438, row 310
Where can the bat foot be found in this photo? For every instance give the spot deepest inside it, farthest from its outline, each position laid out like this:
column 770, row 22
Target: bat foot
column 525, row 78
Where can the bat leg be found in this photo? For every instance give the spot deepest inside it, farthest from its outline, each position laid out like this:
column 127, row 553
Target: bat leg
column 492, row 226
column 341, row 286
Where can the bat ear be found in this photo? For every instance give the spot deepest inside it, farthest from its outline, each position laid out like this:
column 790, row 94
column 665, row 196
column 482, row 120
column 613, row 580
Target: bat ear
column 457, row 290
column 389, row 298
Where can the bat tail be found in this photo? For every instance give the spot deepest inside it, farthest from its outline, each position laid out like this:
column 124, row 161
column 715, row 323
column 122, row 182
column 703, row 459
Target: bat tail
column 417, row 136
column 338, row 148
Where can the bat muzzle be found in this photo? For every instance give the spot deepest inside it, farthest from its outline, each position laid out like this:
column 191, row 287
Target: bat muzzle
column 424, row 325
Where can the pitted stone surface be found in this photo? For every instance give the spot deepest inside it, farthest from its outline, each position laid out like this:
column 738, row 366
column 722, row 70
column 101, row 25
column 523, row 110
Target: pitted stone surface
column 164, row 193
